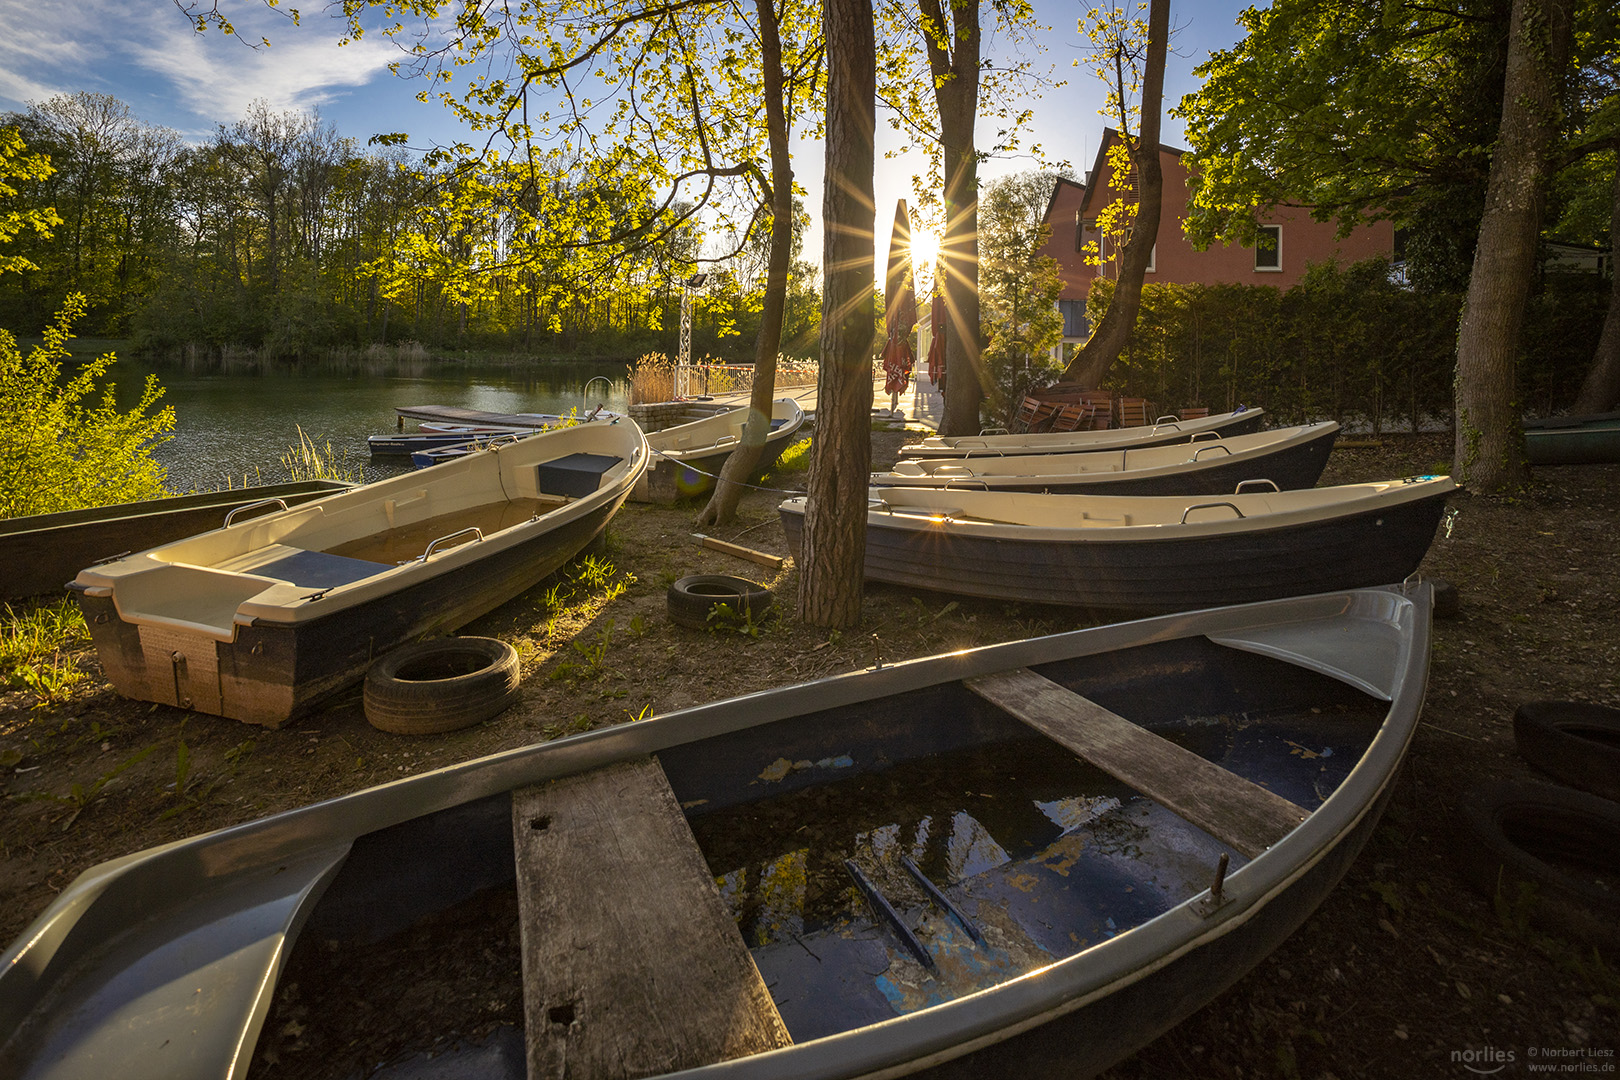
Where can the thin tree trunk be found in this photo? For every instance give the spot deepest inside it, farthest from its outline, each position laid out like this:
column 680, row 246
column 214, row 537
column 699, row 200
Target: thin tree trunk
column 956, row 92
column 1100, row 351
column 1490, row 438
column 722, row 505
column 1601, row 390
column 833, row 548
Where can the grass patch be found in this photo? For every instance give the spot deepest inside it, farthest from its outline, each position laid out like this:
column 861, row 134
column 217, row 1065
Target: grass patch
column 37, row 646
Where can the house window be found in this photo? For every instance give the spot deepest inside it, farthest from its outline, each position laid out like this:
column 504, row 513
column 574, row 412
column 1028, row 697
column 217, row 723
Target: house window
column 1268, row 248
column 1075, row 323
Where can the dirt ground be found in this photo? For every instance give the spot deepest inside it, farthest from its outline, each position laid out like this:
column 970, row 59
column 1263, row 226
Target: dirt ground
column 1401, row 971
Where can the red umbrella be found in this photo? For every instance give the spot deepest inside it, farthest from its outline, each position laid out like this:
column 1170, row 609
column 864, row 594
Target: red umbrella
column 900, row 314
column 936, row 325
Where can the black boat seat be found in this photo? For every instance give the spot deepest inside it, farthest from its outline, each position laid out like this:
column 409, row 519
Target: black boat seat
column 314, row 569
column 574, row 476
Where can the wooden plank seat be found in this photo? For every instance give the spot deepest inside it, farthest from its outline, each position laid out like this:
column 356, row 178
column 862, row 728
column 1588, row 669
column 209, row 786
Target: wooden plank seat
column 632, row 965
column 1241, row 814
column 1194, row 413
column 1135, row 412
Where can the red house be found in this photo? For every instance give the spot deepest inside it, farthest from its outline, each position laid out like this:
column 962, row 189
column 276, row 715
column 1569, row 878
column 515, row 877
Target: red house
column 1296, row 240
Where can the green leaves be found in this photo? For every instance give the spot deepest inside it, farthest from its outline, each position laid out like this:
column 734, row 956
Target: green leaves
column 55, row 452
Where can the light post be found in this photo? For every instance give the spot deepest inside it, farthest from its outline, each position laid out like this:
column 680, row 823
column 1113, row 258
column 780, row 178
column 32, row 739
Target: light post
column 683, row 359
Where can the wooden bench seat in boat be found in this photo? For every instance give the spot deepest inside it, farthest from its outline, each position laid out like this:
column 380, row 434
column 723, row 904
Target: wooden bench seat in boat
column 1241, row 814
column 632, row 965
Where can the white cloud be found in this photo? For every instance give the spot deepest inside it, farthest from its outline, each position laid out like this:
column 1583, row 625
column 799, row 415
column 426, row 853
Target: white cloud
column 218, row 77
column 60, row 46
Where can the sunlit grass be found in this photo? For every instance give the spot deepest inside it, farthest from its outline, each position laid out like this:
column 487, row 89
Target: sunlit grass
column 37, row 646
column 309, row 461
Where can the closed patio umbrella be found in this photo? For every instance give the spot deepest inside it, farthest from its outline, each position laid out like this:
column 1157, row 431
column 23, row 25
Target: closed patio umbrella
column 900, row 311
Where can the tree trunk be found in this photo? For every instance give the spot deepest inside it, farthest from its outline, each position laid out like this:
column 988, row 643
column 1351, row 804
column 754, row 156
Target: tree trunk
column 833, row 549
column 1100, row 351
column 1490, row 437
column 1601, row 390
column 722, row 505
column 956, row 92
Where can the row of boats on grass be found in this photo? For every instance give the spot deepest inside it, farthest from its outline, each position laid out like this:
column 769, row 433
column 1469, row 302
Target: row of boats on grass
column 1075, row 840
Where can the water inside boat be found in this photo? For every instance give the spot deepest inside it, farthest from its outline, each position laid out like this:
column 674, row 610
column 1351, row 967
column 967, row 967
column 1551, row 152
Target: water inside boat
column 413, row 950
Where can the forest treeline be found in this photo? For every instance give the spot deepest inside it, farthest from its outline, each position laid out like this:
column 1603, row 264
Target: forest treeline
column 282, row 237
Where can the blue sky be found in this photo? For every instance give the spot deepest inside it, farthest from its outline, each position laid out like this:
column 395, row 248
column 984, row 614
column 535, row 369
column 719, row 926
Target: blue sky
column 145, row 53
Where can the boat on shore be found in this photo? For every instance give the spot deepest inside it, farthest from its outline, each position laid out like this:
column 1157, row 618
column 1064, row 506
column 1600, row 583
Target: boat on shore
column 1159, row 433
column 262, row 619
column 1288, row 458
column 1145, row 553
column 1592, row 439
column 694, row 453
column 41, row 553
column 1027, row 859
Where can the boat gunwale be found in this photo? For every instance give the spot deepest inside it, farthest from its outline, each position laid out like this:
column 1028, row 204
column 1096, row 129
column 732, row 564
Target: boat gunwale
column 904, row 1043
column 1104, row 439
column 1292, row 439
column 961, row 520
column 722, row 421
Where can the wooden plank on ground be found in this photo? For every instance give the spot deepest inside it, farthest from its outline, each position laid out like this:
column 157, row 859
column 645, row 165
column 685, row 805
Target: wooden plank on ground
column 1235, row 811
column 631, row 964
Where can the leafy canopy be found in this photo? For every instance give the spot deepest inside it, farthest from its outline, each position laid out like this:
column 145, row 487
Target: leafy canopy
column 55, row 452
column 1347, row 107
column 19, row 166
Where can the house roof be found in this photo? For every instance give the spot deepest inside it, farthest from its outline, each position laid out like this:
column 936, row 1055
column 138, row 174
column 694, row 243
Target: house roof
column 1109, row 137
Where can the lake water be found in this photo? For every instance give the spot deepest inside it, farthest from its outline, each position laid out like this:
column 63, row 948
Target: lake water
column 237, row 426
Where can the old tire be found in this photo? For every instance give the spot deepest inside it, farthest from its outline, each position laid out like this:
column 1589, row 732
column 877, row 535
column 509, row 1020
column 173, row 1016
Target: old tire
column 1551, row 848
column 693, row 597
column 441, row 685
column 1573, row 742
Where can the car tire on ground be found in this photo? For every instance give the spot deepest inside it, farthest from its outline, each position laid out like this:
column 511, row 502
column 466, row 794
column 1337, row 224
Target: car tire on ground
column 441, row 685
column 1554, row 849
column 1573, row 742
column 693, row 597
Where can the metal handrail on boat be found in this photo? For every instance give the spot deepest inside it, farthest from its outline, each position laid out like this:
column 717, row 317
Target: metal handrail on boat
column 1212, row 446
column 1259, row 480
column 1211, row 506
column 230, row 517
column 1200, row 434
column 475, row 530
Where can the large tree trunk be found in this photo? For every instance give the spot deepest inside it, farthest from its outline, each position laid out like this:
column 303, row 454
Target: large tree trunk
column 956, row 92
column 833, row 547
column 1490, row 436
column 722, row 505
column 1100, row 351
column 1601, row 390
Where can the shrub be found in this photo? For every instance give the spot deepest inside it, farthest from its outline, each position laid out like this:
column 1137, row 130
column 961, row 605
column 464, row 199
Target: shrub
column 57, row 454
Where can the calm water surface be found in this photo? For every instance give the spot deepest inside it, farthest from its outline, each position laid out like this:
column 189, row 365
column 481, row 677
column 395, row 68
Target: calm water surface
column 237, row 426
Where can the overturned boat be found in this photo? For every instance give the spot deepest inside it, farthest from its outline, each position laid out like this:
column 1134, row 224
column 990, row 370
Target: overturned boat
column 1168, row 429
column 1148, row 552
column 1287, row 458
column 262, row 619
column 1029, row 859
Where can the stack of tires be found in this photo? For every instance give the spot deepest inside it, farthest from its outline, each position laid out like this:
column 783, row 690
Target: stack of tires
column 1555, row 848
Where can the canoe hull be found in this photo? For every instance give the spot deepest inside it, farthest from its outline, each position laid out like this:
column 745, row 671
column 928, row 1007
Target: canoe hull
column 1595, row 442
column 1376, row 547
column 40, row 554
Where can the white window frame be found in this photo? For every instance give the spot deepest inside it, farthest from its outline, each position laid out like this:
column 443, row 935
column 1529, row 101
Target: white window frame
column 1276, row 231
